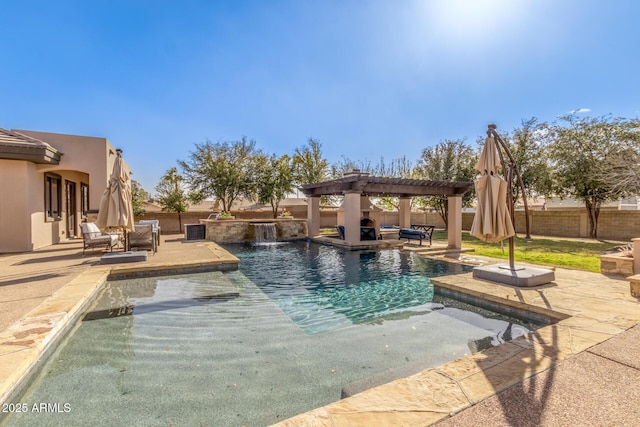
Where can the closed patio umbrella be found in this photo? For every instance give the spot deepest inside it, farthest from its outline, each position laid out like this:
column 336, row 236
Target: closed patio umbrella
column 116, row 210
column 492, row 221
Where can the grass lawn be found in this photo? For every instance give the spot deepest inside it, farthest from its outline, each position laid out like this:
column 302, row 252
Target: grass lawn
column 582, row 255
column 328, row 230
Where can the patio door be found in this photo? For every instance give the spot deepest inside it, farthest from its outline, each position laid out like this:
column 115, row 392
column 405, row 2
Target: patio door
column 72, row 224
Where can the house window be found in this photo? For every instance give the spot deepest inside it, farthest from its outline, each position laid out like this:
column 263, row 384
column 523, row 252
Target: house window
column 52, row 196
column 84, row 199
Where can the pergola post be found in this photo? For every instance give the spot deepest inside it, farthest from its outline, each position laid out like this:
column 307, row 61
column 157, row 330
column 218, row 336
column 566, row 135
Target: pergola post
column 313, row 216
column 454, row 222
column 352, row 216
column 356, row 187
column 404, row 212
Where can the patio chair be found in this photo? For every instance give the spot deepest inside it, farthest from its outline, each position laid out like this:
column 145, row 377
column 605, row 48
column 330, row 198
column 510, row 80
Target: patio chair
column 142, row 236
column 93, row 237
column 368, row 233
column 156, row 227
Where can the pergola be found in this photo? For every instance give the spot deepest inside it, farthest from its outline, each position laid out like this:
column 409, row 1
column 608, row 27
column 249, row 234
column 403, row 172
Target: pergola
column 355, row 185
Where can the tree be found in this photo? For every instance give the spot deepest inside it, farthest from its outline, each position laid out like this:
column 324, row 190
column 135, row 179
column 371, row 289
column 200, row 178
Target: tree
column 397, row 168
column 623, row 171
column 221, row 170
column 171, row 194
column 309, row 167
column 138, row 197
column 527, row 147
column 450, row 160
column 274, row 179
column 582, row 152
column 346, row 165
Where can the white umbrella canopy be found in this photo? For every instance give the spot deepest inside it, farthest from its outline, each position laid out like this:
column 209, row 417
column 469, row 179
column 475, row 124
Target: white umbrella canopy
column 116, row 210
column 492, row 221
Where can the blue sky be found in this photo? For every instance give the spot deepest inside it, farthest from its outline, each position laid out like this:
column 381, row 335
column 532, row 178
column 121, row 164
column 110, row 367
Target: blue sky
column 367, row 78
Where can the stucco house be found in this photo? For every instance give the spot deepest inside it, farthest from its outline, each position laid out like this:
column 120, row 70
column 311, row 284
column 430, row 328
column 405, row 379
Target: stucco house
column 49, row 182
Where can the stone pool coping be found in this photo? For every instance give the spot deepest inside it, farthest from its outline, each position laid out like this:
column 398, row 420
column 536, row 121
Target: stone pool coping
column 591, row 308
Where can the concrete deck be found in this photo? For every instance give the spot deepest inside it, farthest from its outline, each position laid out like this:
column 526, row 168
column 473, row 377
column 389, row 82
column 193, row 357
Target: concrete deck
column 583, row 370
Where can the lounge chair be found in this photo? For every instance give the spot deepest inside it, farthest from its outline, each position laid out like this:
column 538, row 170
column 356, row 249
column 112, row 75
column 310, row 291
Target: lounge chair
column 93, row 237
column 142, row 236
column 156, row 227
column 414, row 234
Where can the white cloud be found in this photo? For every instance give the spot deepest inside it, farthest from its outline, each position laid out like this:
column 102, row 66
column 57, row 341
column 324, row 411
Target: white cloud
column 580, row 110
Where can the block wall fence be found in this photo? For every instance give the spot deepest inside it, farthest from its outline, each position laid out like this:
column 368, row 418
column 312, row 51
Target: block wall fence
column 612, row 224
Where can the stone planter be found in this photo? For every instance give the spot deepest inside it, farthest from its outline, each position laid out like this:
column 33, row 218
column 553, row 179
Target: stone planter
column 222, row 218
column 634, row 285
column 616, row 264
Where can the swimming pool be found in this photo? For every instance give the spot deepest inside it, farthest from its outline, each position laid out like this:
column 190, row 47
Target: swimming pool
column 283, row 335
column 322, row 288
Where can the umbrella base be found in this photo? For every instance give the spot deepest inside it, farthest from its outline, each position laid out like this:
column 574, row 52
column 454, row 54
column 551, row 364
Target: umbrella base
column 518, row 276
column 118, row 257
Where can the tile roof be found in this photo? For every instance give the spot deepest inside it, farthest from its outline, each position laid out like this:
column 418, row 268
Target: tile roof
column 16, row 146
column 14, row 138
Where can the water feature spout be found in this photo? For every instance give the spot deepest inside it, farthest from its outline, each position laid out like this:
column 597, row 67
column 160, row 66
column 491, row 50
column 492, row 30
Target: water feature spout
column 265, row 232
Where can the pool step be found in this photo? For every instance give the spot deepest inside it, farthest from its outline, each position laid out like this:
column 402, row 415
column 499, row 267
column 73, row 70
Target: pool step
column 122, row 298
column 389, row 375
column 437, row 250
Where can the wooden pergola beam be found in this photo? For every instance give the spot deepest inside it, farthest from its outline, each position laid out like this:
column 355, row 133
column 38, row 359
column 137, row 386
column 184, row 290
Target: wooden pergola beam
column 380, row 186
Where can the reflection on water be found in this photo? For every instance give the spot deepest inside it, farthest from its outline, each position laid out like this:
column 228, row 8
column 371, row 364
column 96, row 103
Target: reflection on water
column 322, row 288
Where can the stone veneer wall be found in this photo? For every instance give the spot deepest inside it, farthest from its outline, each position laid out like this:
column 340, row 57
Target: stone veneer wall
column 616, row 264
column 169, row 221
column 242, row 230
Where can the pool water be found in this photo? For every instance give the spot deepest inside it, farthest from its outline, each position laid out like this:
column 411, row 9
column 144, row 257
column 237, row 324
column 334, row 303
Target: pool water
column 281, row 336
column 328, row 288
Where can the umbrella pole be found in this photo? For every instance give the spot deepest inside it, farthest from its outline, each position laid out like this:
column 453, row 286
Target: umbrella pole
column 512, row 212
column 492, row 132
column 512, row 168
column 512, row 265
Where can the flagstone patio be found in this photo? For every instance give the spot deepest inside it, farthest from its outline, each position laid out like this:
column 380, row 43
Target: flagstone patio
column 546, row 373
